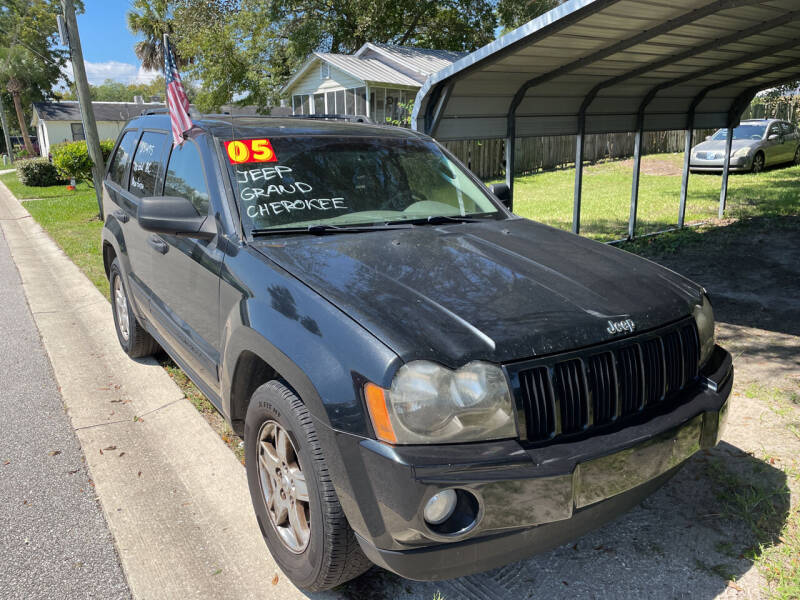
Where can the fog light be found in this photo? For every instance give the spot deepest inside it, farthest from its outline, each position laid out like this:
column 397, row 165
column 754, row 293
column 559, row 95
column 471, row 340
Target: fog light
column 440, row 507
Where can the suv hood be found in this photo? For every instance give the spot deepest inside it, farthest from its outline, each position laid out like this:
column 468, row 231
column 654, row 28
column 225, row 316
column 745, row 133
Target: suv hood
column 497, row 291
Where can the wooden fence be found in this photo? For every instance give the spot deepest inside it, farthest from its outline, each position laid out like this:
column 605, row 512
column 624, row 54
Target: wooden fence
column 486, row 158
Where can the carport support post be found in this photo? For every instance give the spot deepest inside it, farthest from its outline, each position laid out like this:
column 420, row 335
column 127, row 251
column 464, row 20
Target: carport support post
column 579, row 146
column 686, row 164
column 511, row 141
column 723, row 195
column 637, row 167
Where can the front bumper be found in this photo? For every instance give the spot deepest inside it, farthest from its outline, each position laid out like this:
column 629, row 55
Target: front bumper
column 742, row 163
column 531, row 499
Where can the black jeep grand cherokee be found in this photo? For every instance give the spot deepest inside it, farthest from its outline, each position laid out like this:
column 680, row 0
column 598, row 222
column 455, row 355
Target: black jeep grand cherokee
column 423, row 380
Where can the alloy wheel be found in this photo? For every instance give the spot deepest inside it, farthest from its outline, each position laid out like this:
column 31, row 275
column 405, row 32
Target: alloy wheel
column 283, row 486
column 121, row 305
column 758, row 163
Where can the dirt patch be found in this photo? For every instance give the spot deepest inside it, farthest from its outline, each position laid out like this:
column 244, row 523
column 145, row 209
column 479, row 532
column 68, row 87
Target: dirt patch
column 654, row 166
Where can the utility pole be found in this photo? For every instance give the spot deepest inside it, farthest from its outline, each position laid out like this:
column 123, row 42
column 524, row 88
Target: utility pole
column 9, row 149
column 85, row 100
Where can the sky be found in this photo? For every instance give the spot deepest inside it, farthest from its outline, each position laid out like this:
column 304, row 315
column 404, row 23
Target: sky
column 108, row 45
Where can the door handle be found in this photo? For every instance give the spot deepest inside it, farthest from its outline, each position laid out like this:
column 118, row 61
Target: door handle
column 121, row 216
column 158, row 244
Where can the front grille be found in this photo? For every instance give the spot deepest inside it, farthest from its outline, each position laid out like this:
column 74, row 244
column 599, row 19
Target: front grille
column 572, row 394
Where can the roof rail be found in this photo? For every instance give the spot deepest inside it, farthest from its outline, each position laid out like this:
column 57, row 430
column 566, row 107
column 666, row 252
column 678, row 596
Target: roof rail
column 154, row 111
column 335, row 117
column 321, row 117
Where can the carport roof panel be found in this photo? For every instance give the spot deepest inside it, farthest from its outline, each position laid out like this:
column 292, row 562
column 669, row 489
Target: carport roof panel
column 617, row 59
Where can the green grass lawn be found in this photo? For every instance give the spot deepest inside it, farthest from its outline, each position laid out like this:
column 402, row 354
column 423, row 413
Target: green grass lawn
column 71, row 220
column 548, row 196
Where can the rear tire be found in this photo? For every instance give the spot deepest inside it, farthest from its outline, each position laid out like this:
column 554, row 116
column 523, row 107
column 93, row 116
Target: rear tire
column 133, row 338
column 796, row 161
column 295, row 502
column 758, row 163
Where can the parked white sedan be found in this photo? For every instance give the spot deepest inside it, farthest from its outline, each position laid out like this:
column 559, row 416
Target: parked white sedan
column 756, row 144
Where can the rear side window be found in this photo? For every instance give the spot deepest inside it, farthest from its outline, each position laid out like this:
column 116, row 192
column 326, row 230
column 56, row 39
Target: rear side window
column 122, row 158
column 185, row 176
column 146, row 163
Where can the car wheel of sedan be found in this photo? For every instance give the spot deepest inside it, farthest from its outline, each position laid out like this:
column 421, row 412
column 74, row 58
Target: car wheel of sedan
column 294, row 499
column 797, row 156
column 758, row 163
column 131, row 335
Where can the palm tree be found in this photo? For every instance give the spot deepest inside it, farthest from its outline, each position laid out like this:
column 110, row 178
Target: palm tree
column 151, row 19
column 19, row 72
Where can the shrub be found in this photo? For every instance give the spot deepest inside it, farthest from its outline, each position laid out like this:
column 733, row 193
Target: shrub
column 37, row 172
column 72, row 159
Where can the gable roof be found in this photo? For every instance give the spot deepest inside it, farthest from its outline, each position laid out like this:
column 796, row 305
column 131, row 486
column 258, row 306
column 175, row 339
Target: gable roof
column 420, row 61
column 367, row 69
column 70, row 110
column 425, row 61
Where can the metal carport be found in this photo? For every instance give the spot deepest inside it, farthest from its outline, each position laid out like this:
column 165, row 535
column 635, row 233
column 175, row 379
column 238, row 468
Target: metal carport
column 604, row 66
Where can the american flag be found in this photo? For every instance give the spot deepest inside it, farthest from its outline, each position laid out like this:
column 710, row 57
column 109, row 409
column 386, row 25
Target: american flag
column 177, row 102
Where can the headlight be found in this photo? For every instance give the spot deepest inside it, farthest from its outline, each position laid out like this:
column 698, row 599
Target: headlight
column 741, row 152
column 430, row 404
column 704, row 317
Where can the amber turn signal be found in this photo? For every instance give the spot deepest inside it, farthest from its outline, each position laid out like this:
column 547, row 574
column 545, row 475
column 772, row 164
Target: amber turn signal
column 379, row 413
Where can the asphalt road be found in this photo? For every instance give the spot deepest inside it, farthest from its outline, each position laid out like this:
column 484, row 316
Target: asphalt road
column 54, row 541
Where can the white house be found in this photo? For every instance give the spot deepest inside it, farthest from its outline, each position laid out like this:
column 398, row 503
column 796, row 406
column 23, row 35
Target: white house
column 57, row 122
column 376, row 81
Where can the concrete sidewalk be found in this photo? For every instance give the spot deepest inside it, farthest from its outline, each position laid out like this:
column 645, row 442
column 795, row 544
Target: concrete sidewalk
column 54, row 541
column 174, row 496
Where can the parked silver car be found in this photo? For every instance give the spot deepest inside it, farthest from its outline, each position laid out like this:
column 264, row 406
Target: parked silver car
column 757, row 143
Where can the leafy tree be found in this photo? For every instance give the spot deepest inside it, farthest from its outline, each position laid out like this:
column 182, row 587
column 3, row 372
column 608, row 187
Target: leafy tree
column 252, row 47
column 30, row 62
column 114, row 91
column 513, row 13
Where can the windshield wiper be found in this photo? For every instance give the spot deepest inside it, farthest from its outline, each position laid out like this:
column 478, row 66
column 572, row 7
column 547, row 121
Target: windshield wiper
column 321, row 229
column 439, row 220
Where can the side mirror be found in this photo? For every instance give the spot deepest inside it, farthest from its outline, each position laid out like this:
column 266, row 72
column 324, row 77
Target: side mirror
column 174, row 215
column 773, row 137
column 502, row 193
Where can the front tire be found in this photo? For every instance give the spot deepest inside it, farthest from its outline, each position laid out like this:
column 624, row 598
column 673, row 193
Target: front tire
column 758, row 163
column 133, row 338
column 293, row 497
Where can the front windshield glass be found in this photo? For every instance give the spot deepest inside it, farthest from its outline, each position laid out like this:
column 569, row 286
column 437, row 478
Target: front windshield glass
column 284, row 182
column 742, row 132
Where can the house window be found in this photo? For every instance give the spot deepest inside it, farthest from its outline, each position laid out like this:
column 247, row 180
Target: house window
column 330, row 103
column 319, row 104
column 300, row 104
column 340, row 107
column 350, row 102
column 77, row 131
column 361, row 101
column 325, row 71
column 378, row 104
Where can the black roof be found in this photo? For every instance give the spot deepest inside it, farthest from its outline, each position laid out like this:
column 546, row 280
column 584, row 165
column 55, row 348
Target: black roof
column 245, row 127
column 70, row 110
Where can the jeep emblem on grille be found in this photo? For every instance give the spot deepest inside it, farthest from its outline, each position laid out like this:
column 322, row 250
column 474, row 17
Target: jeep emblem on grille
column 621, row 326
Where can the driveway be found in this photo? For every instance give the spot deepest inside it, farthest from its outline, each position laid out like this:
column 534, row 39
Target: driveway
column 54, row 541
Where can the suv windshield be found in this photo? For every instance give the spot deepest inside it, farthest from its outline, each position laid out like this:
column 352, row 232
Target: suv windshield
column 742, row 132
column 284, row 182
